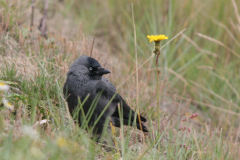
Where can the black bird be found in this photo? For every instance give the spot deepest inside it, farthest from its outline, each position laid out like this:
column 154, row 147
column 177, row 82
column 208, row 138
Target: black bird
column 84, row 78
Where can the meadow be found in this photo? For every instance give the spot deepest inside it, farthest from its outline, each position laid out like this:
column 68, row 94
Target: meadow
column 199, row 66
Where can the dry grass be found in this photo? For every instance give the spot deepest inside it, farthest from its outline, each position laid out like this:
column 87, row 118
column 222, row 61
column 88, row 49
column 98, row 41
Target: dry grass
column 36, row 68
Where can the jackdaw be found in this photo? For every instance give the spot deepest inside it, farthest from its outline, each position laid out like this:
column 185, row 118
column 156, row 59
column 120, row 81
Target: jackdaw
column 85, row 79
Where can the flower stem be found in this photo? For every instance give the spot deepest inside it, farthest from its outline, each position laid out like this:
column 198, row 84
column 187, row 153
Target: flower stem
column 158, row 89
column 157, row 53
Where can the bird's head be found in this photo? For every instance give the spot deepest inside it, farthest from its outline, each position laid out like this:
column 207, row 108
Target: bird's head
column 89, row 66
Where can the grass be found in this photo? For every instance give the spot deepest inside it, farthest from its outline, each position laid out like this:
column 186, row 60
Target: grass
column 199, row 73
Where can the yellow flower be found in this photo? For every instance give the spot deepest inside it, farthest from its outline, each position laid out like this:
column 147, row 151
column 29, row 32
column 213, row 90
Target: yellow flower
column 7, row 104
column 156, row 37
column 3, row 86
column 61, row 142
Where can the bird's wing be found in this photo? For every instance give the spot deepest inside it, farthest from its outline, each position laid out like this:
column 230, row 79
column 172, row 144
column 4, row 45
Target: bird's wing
column 108, row 91
column 110, row 88
column 109, row 84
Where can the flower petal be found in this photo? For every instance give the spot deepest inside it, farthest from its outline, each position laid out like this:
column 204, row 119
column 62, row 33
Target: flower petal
column 156, row 37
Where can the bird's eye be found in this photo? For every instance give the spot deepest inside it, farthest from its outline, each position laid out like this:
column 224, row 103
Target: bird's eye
column 90, row 68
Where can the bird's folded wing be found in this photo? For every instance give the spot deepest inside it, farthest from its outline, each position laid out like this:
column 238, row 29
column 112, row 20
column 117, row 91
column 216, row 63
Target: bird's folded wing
column 108, row 91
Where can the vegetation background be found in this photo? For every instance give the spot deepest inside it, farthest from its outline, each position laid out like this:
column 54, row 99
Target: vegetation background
column 199, row 73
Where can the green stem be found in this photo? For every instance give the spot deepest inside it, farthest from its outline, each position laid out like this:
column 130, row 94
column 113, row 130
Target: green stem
column 157, row 53
column 158, row 89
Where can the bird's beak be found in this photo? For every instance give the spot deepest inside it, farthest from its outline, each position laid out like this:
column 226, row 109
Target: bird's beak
column 101, row 71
